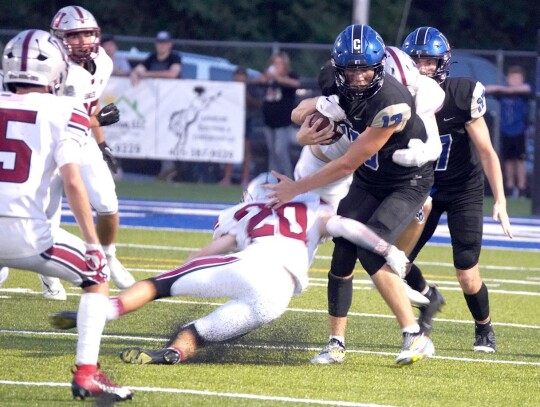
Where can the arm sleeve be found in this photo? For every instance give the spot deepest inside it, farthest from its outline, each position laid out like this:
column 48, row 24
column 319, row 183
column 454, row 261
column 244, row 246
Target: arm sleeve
column 73, row 136
column 478, row 101
column 357, row 233
column 433, row 146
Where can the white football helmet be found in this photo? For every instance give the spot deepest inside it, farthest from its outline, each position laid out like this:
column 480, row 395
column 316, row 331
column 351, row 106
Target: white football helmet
column 35, row 57
column 74, row 20
column 255, row 190
column 402, row 67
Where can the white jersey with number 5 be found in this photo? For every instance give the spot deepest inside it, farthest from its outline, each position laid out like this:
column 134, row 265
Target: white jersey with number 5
column 39, row 133
column 287, row 237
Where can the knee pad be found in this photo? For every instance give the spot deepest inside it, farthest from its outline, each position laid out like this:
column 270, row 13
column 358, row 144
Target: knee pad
column 339, row 295
column 465, row 256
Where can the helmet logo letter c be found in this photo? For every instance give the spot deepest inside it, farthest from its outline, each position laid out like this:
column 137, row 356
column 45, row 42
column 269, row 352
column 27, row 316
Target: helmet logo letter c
column 357, row 43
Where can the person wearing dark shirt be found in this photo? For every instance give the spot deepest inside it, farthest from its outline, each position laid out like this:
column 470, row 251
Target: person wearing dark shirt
column 253, row 105
column 281, row 83
column 163, row 63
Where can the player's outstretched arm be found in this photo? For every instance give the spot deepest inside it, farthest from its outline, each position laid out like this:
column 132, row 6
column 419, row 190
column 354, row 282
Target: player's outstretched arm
column 479, row 134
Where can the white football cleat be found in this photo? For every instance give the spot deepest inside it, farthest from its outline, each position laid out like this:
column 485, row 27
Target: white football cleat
column 333, row 352
column 52, row 288
column 119, row 275
column 415, row 347
column 4, row 273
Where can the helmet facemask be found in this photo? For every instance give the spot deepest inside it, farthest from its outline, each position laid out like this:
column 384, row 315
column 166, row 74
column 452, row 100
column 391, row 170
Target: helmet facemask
column 87, row 50
column 352, row 92
column 443, row 64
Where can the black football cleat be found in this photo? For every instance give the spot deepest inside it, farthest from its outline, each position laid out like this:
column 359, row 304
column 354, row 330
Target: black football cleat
column 64, row 320
column 138, row 356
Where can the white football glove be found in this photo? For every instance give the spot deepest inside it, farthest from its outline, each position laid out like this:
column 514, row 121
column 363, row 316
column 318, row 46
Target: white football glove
column 413, row 156
column 329, row 106
column 397, row 261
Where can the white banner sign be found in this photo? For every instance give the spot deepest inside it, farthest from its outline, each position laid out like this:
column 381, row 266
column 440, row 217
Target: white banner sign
column 177, row 119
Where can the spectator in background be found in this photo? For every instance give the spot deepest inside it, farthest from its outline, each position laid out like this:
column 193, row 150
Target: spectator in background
column 165, row 64
column 513, row 97
column 281, row 83
column 121, row 66
column 252, row 105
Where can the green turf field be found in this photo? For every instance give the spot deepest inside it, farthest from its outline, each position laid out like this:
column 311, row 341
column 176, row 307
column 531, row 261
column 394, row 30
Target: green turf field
column 270, row 367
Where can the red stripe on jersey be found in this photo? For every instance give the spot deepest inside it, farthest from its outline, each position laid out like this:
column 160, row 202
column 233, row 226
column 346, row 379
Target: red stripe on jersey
column 399, row 66
column 198, row 264
column 80, row 119
column 24, row 56
column 68, row 256
column 91, row 106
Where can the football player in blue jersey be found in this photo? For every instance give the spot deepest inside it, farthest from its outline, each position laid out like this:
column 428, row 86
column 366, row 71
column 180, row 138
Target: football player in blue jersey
column 384, row 195
column 458, row 189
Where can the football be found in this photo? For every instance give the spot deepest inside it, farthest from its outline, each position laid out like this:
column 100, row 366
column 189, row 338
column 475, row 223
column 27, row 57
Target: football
column 337, row 132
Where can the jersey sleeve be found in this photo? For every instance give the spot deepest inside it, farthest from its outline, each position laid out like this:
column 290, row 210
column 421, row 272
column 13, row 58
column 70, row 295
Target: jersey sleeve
column 226, row 222
column 73, row 133
column 390, row 106
column 391, row 115
column 478, row 101
column 429, row 96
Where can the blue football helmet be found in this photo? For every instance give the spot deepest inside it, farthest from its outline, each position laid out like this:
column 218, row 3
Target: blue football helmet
column 358, row 47
column 428, row 42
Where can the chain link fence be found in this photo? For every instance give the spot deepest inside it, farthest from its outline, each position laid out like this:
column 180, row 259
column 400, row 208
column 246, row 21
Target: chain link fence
column 487, row 66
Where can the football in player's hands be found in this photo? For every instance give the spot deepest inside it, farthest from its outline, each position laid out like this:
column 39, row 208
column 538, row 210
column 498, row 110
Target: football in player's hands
column 337, row 130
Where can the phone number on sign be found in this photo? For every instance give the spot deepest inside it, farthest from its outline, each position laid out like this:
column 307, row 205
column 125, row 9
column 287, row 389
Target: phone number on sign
column 127, row 148
column 211, row 154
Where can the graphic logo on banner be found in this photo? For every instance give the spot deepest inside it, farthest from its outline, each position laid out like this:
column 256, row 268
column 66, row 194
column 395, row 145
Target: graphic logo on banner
column 177, row 119
column 182, row 120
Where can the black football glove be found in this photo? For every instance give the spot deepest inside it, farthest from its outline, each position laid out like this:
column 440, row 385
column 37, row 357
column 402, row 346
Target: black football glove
column 109, row 158
column 108, row 115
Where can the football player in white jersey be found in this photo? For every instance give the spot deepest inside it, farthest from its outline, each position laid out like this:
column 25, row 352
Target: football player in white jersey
column 43, row 133
column 273, row 250
column 89, row 70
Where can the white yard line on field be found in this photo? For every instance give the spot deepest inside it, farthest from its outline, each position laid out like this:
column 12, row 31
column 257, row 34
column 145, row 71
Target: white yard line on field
column 213, row 394
column 271, row 347
column 303, row 310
